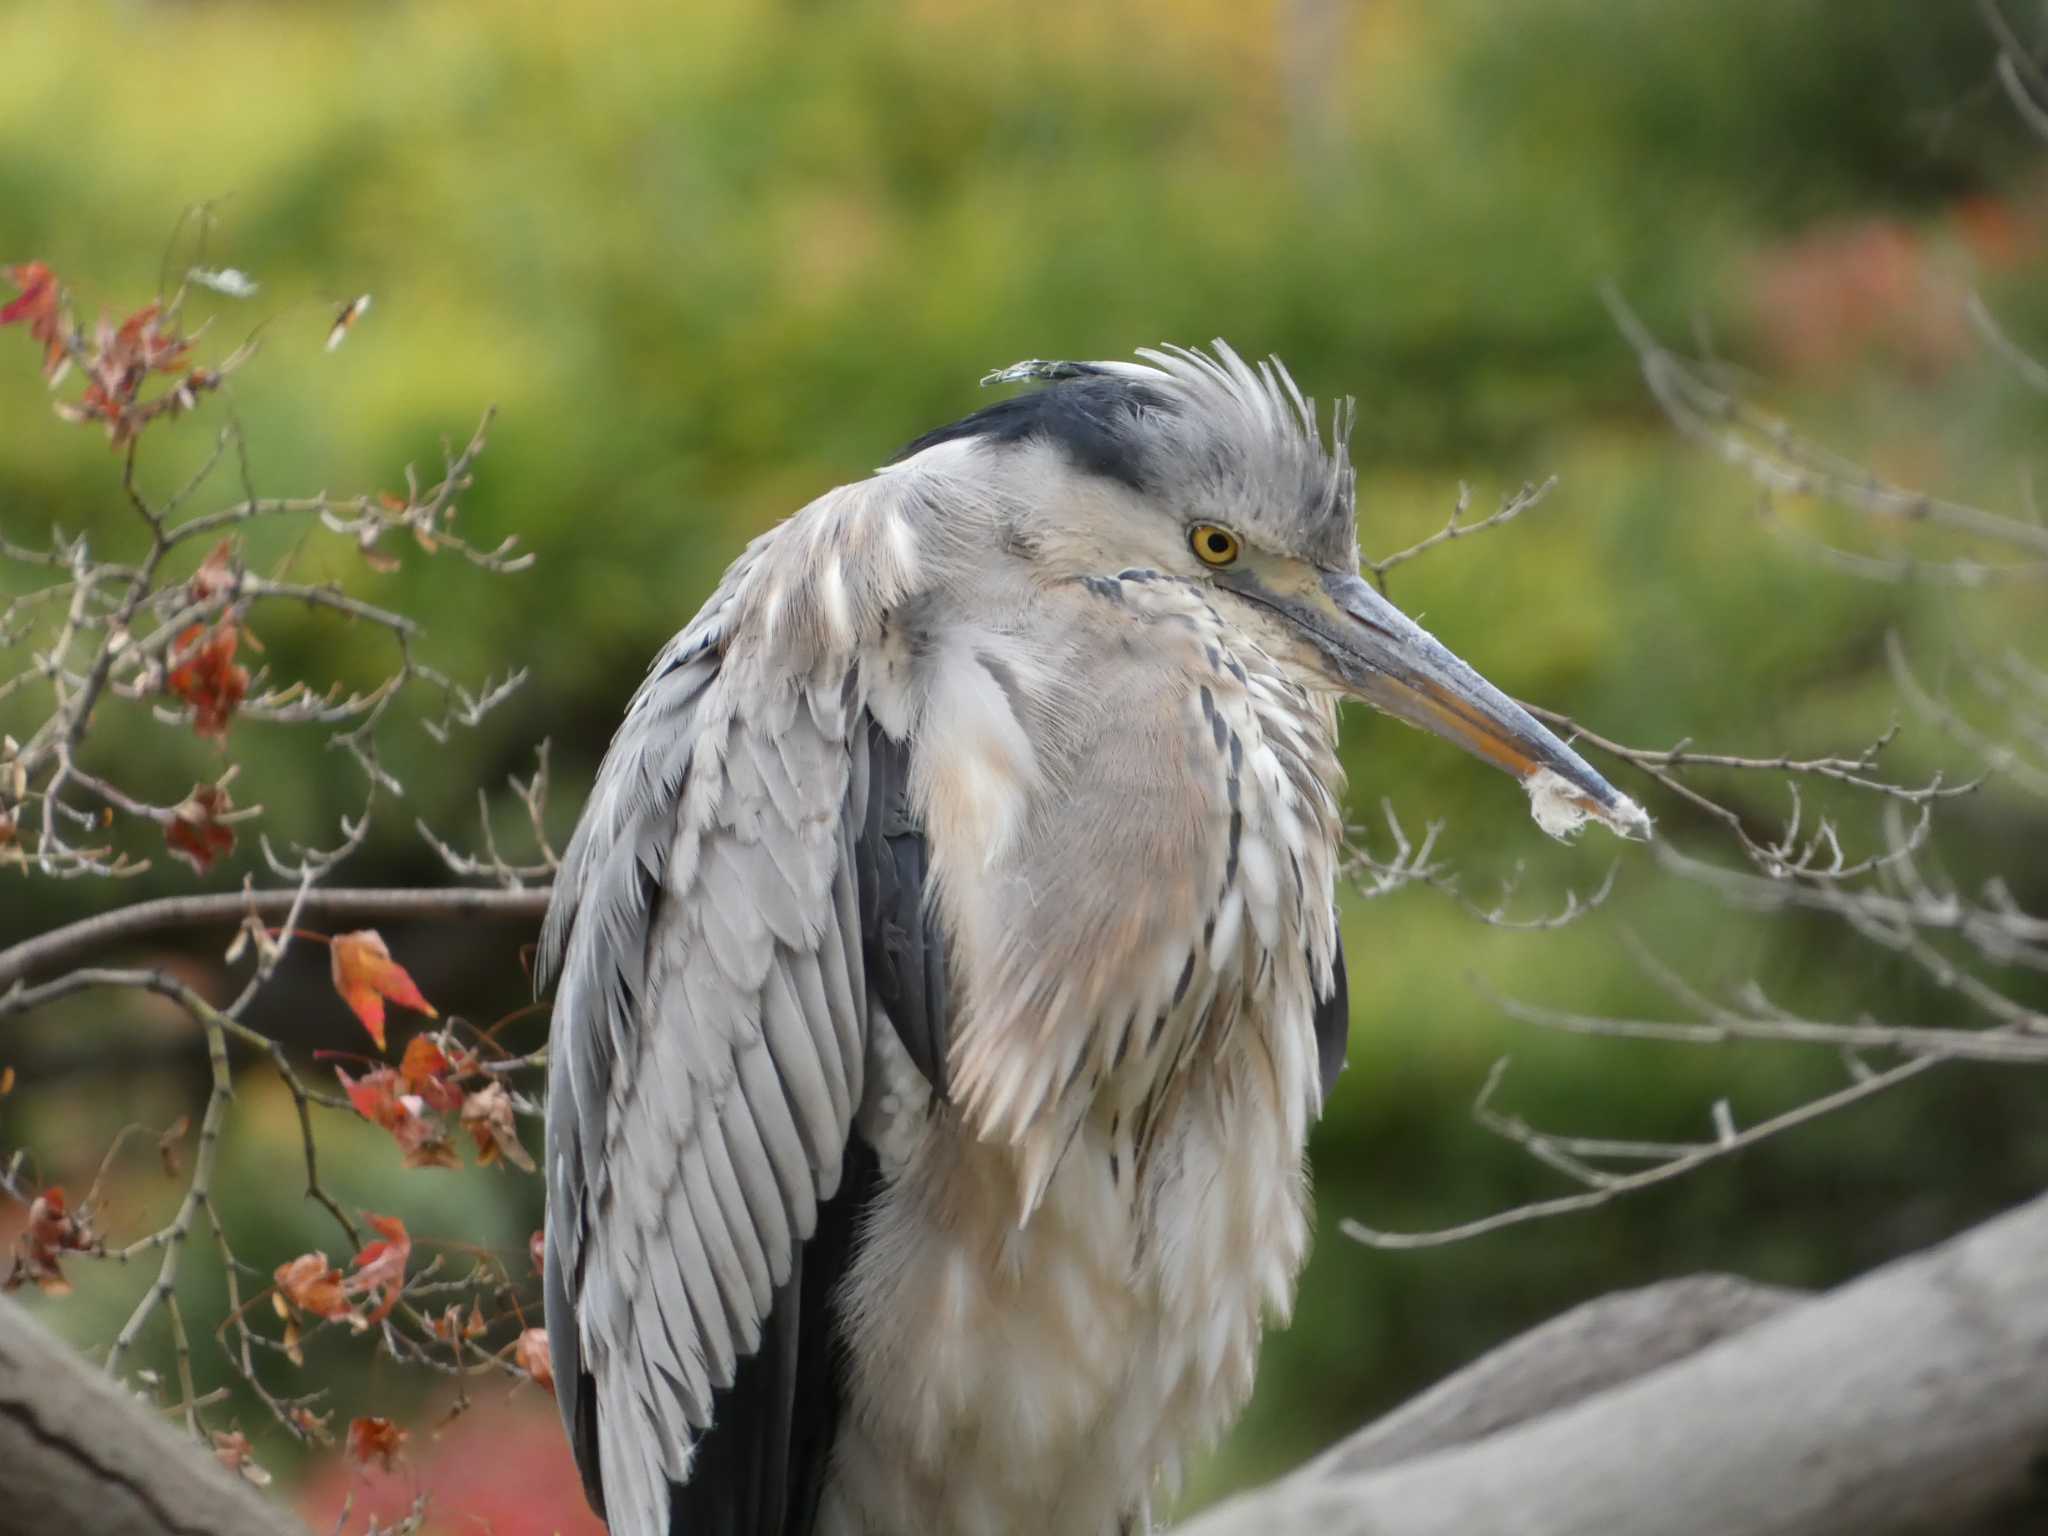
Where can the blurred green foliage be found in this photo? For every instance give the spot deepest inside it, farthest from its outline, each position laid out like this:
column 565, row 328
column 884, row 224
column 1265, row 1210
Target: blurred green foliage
column 711, row 260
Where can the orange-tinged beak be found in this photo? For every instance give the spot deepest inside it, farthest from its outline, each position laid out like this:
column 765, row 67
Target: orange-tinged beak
column 1380, row 655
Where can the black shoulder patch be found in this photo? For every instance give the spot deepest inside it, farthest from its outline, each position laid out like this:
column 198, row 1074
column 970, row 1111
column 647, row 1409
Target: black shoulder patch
column 1333, row 1023
column 760, row 1468
column 1090, row 418
column 902, row 943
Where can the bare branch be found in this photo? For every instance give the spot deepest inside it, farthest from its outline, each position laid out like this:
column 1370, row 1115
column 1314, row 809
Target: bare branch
column 1526, row 499
column 1783, row 463
column 92, row 935
column 2018, row 71
column 1622, row 1184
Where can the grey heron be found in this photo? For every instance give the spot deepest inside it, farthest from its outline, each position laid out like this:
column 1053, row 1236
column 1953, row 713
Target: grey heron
column 948, row 969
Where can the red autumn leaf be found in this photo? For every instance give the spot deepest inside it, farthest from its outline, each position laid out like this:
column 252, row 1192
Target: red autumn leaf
column 122, row 358
column 38, row 285
column 531, row 1355
column 231, row 1448
column 380, row 1098
column 377, row 1096
column 311, row 1426
column 380, row 1267
column 537, row 1249
column 375, row 1439
column 40, row 304
column 123, row 355
column 202, row 672
column 52, row 1231
column 429, row 1071
column 488, row 1117
column 365, row 975
column 310, row 1284
column 196, row 833
column 216, row 575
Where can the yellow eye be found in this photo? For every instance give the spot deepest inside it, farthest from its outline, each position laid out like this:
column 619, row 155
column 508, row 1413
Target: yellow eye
column 1213, row 545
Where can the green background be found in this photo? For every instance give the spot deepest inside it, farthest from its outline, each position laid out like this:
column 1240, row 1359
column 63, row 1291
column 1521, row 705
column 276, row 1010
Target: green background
column 711, row 259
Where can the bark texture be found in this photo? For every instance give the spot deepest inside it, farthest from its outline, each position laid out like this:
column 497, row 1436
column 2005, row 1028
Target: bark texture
column 1914, row 1400
column 78, row 1454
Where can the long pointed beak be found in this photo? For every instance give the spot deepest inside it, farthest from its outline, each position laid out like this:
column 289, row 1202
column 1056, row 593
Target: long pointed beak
column 1384, row 657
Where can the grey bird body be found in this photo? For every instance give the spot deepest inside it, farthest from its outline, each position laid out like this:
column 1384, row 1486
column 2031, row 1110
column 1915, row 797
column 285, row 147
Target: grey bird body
column 949, row 975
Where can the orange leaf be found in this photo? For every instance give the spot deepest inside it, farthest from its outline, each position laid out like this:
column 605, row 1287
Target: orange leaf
column 427, row 1070
column 379, row 1098
column 313, row 1285
column 376, row 1096
column 531, row 1354
column 365, row 975
column 375, row 1439
column 380, row 1267
column 488, row 1116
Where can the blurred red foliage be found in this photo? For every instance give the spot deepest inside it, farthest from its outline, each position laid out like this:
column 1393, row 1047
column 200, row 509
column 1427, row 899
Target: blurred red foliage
column 501, row 1469
column 1821, row 299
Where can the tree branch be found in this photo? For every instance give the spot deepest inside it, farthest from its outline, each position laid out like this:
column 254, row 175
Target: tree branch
column 78, row 941
column 1908, row 1401
column 1593, row 1347
column 83, row 1455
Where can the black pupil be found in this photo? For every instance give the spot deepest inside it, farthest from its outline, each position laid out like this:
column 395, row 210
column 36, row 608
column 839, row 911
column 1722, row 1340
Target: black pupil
column 1218, row 544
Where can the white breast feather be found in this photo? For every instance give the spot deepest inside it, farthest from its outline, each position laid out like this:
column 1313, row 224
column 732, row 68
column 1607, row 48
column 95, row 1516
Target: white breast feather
column 1011, row 1380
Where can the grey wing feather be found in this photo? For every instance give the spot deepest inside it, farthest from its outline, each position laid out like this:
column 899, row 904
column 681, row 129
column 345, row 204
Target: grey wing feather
column 706, row 1063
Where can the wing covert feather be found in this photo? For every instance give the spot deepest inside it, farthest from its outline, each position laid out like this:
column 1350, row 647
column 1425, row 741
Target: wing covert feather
column 710, row 1032
column 707, row 1061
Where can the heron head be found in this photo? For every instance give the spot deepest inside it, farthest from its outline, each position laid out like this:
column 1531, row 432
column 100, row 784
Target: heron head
column 1208, row 468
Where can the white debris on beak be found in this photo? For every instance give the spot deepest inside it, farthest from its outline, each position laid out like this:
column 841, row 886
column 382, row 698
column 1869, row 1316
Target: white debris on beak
column 1560, row 809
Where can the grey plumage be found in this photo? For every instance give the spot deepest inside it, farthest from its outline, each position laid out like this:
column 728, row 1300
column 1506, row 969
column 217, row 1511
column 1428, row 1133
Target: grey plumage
column 947, row 969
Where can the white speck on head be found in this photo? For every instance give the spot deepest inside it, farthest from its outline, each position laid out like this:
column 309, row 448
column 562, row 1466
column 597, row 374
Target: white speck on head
column 1560, row 809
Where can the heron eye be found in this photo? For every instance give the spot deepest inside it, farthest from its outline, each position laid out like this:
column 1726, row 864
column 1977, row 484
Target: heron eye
column 1213, row 545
